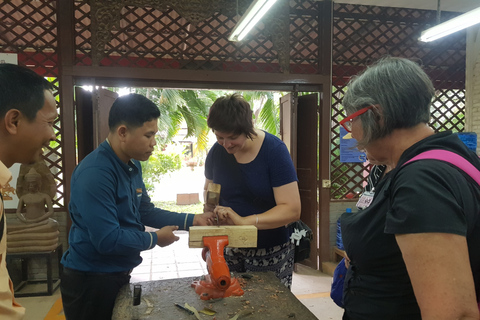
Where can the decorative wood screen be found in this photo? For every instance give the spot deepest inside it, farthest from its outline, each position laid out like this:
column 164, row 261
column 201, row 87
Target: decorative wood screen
column 162, row 34
column 29, row 29
column 363, row 34
column 165, row 35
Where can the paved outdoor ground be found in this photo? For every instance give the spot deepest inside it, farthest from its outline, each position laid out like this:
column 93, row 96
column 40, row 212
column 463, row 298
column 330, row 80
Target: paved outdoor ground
column 184, row 180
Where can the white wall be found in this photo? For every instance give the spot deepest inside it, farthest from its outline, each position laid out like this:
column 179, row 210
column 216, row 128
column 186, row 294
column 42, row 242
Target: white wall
column 472, row 105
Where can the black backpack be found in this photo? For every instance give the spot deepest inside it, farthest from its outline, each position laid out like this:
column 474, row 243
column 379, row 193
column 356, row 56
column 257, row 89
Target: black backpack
column 301, row 236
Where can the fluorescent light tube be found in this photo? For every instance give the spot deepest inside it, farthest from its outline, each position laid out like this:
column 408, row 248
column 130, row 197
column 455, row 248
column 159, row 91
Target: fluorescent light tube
column 254, row 13
column 463, row 21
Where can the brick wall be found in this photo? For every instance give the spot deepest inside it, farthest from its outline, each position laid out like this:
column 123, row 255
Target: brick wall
column 472, row 115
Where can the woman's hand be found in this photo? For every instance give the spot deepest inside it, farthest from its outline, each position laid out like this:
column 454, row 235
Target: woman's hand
column 227, row 216
column 165, row 236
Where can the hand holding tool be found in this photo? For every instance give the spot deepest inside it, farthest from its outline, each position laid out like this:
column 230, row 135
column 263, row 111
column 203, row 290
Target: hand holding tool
column 213, row 193
column 212, row 197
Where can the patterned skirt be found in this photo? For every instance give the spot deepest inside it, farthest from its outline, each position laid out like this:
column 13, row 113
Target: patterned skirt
column 278, row 259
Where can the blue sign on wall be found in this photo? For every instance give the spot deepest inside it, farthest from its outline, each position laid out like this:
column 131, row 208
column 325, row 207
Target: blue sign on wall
column 470, row 139
column 348, row 148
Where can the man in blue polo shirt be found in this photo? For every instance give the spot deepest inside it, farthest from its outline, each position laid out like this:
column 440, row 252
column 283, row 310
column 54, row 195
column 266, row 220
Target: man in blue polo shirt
column 110, row 208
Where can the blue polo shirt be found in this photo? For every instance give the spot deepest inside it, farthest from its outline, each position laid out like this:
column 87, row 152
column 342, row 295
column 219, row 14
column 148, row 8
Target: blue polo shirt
column 109, row 208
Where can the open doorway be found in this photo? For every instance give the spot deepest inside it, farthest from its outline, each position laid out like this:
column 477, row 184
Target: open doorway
column 183, row 132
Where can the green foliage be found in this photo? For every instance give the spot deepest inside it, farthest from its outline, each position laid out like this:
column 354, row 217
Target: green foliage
column 195, row 208
column 54, row 144
column 267, row 116
column 339, row 180
column 265, row 107
column 177, row 106
column 158, row 165
column 191, row 107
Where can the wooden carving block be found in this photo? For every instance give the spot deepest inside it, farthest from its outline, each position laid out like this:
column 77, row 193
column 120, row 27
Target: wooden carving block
column 238, row 236
column 213, row 193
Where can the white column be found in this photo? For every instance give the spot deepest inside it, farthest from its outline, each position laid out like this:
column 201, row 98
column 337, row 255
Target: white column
column 472, row 82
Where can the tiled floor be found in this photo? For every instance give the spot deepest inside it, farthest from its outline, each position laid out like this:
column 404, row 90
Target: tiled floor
column 174, row 261
column 177, row 261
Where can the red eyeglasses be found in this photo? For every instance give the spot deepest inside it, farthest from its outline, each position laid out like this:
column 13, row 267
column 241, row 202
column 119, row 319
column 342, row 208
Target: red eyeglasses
column 347, row 122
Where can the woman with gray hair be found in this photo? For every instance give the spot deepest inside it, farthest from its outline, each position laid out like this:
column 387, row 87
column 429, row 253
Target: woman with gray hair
column 415, row 250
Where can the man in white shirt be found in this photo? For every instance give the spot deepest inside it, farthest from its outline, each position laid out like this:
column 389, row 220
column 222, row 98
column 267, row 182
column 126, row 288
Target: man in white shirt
column 27, row 114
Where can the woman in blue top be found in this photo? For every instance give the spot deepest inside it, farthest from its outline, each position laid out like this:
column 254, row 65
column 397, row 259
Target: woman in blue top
column 259, row 187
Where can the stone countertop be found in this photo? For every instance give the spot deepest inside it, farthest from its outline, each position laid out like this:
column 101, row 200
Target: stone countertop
column 264, row 295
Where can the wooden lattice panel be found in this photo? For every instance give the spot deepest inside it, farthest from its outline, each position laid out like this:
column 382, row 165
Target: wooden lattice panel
column 82, row 34
column 146, row 37
column 28, row 28
column 304, row 37
column 151, row 38
column 363, row 34
column 53, row 155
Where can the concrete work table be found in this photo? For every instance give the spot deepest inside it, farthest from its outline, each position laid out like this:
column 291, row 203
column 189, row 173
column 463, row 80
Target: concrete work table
column 263, row 294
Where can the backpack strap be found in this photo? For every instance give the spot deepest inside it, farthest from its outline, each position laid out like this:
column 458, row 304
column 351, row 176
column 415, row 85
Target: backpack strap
column 450, row 157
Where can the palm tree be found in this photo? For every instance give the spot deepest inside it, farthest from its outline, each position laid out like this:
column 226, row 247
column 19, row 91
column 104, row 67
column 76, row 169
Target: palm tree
column 191, row 107
column 179, row 106
column 266, row 111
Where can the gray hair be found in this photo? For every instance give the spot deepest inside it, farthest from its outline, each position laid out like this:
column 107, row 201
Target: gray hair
column 401, row 88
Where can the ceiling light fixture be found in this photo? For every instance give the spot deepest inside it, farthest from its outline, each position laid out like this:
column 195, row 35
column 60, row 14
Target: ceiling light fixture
column 461, row 22
column 254, row 13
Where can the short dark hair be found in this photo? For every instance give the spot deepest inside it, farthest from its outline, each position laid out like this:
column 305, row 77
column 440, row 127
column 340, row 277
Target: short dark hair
column 132, row 110
column 401, row 88
column 231, row 114
column 22, row 89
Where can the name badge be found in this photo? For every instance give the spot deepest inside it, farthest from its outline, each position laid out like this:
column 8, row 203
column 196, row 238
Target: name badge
column 365, row 200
